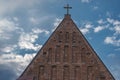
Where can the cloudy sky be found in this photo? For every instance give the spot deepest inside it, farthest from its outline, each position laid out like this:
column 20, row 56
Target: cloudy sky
column 25, row 25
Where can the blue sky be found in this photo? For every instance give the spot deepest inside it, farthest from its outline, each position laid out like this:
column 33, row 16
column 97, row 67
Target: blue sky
column 25, row 25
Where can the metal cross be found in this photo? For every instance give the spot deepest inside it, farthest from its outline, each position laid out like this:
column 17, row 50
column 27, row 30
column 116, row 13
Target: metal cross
column 67, row 7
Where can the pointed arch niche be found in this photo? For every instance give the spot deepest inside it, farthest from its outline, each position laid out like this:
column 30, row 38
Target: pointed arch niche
column 49, row 55
column 66, row 73
column 57, row 53
column 77, row 74
column 66, row 54
column 41, row 72
column 53, row 73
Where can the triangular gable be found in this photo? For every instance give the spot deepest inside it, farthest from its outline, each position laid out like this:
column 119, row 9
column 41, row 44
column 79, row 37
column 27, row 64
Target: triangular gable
column 66, row 55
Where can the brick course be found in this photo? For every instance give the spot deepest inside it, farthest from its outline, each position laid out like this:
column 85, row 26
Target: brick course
column 66, row 56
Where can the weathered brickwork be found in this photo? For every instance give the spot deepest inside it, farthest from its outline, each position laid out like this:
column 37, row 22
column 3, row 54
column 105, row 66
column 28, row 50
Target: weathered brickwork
column 66, row 56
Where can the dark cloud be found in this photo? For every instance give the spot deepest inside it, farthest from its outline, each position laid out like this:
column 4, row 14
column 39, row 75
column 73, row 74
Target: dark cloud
column 6, row 73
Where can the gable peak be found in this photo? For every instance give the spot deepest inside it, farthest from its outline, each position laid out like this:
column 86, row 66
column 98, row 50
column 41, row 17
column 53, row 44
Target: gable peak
column 67, row 16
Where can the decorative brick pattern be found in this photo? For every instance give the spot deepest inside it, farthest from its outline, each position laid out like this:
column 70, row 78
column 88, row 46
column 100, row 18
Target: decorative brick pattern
column 66, row 56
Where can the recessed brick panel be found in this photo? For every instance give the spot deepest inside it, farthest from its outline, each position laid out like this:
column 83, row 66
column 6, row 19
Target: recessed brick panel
column 66, row 56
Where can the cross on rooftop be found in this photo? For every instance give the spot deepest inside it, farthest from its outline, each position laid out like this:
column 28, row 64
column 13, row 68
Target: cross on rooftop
column 67, row 8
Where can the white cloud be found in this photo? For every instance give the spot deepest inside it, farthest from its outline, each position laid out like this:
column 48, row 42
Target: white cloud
column 112, row 40
column 98, row 29
column 110, row 20
column 33, row 20
column 7, row 27
column 37, row 31
column 16, row 62
column 117, row 29
column 101, row 21
column 116, row 25
column 9, row 48
column 114, row 22
column 56, row 23
column 85, row 1
column 27, row 40
column 109, row 40
column 86, row 28
column 15, row 19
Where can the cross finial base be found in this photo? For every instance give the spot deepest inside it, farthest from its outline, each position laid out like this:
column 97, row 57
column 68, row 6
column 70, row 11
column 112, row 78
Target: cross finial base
column 67, row 15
